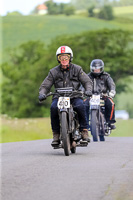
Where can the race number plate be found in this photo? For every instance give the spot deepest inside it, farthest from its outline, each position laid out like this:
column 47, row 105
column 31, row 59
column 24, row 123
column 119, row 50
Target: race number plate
column 95, row 100
column 63, row 102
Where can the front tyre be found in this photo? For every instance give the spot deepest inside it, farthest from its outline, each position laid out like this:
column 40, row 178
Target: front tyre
column 102, row 128
column 94, row 125
column 64, row 133
column 73, row 147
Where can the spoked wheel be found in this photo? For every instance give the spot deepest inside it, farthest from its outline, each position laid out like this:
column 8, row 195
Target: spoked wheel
column 101, row 136
column 108, row 131
column 94, row 125
column 64, row 132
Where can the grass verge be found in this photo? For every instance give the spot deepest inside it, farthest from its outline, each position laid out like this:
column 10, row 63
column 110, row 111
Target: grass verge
column 14, row 130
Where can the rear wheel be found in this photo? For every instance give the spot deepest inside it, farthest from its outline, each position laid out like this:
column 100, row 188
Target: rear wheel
column 94, row 125
column 64, row 132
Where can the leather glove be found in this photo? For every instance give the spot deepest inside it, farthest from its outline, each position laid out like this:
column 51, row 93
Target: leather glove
column 112, row 93
column 88, row 93
column 42, row 97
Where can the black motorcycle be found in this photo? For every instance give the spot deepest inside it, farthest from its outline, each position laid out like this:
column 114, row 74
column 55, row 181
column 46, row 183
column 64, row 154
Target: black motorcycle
column 70, row 135
column 98, row 125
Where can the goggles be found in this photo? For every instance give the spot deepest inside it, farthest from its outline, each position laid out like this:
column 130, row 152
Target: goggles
column 64, row 57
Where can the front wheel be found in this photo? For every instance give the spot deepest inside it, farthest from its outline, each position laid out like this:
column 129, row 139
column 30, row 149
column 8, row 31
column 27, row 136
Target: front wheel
column 102, row 128
column 64, row 133
column 94, row 125
column 73, row 147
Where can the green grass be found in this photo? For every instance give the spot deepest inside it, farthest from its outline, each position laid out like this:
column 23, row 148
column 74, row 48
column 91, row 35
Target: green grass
column 25, row 129
column 125, row 99
column 124, row 128
column 14, row 130
column 123, row 10
column 20, row 29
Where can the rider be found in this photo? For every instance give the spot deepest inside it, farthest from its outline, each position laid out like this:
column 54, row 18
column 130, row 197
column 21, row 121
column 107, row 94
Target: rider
column 105, row 85
column 66, row 74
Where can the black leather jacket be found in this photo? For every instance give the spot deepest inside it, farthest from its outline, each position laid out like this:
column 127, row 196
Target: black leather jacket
column 104, row 82
column 73, row 77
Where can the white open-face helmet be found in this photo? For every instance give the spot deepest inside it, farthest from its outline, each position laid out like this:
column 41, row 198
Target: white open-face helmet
column 64, row 50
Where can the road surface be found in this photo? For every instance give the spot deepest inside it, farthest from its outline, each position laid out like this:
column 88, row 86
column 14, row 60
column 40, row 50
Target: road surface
column 33, row 170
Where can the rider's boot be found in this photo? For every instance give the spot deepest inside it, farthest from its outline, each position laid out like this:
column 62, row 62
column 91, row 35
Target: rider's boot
column 56, row 139
column 112, row 126
column 85, row 136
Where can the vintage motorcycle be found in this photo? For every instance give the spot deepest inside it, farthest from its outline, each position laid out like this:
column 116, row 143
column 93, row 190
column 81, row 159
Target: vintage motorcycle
column 98, row 126
column 70, row 136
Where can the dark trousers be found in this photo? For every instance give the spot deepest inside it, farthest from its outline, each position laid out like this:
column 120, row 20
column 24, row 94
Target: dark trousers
column 109, row 109
column 78, row 106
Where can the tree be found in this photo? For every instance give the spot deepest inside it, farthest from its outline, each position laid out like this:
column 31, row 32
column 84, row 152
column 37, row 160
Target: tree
column 91, row 11
column 69, row 10
column 106, row 13
column 22, row 80
column 54, row 8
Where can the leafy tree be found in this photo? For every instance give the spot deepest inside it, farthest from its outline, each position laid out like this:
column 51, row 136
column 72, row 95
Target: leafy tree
column 54, row 8
column 62, row 7
column 106, row 13
column 91, row 11
column 22, row 80
column 69, row 10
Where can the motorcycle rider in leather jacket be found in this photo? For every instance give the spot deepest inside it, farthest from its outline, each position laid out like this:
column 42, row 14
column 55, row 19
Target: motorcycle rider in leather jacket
column 66, row 74
column 104, row 85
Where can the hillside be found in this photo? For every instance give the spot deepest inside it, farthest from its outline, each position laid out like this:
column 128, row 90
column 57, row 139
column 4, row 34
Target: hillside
column 20, row 29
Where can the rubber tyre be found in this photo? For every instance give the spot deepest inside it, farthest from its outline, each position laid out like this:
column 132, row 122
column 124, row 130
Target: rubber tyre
column 94, row 125
column 73, row 150
column 101, row 137
column 64, row 132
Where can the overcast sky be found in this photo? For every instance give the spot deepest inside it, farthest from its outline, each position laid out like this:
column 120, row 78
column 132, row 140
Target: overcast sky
column 23, row 6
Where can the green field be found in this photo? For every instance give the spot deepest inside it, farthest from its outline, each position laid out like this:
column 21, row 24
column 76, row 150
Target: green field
column 123, row 10
column 20, row 29
column 25, row 129
column 14, row 130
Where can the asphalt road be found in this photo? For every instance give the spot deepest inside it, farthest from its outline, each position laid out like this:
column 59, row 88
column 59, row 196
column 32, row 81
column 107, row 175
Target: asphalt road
column 34, row 171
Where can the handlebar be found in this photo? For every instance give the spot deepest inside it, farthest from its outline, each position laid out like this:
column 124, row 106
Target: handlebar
column 102, row 95
column 63, row 93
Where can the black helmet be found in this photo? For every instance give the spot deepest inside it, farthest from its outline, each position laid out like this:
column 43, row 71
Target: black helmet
column 95, row 65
